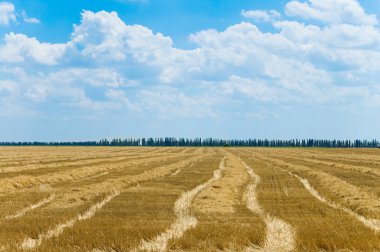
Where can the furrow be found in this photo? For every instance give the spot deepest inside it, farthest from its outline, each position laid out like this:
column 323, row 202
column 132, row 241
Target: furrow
column 185, row 220
column 279, row 234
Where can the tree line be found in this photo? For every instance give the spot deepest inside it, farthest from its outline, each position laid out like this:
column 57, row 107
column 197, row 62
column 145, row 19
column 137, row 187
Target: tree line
column 210, row 142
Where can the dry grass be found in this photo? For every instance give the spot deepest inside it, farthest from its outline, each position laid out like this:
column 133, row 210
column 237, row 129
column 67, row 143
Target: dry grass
column 348, row 195
column 184, row 219
column 280, row 236
column 365, row 179
column 12, row 203
column 120, row 199
column 223, row 195
column 12, row 184
column 137, row 214
column 318, row 226
column 224, row 223
column 348, row 165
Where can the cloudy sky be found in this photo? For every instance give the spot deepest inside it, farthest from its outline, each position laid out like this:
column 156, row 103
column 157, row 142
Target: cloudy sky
column 85, row 70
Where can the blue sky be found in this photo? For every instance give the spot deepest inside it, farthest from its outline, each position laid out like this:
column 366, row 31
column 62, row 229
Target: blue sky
column 85, row 70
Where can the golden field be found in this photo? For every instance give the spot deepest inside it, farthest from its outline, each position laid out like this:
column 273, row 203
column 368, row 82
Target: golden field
column 189, row 199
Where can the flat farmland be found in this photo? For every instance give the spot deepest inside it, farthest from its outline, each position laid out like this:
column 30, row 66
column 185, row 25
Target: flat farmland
column 189, row 199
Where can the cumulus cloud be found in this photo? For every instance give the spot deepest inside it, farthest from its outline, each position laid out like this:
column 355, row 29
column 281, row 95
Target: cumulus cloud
column 256, row 89
column 7, row 13
column 103, row 35
column 109, row 65
column 334, row 47
column 337, row 11
column 20, row 48
column 98, row 77
column 261, row 15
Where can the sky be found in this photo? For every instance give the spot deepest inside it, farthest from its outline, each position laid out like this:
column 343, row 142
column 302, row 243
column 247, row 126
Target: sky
column 280, row 69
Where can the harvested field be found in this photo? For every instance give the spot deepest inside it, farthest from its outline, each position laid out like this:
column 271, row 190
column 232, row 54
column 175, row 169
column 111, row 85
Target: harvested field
column 189, row 199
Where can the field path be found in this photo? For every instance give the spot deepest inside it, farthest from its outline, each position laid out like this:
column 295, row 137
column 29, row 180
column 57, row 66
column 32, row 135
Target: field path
column 114, row 188
column 356, row 168
column 358, row 158
column 30, row 243
column 373, row 224
column 9, row 185
column 184, row 219
column 279, row 234
column 31, row 207
column 343, row 193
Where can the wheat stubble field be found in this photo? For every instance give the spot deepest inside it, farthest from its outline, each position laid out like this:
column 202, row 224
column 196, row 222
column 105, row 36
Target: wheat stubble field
column 189, row 199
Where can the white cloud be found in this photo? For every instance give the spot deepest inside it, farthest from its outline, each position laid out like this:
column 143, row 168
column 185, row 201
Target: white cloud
column 168, row 103
column 7, row 13
column 258, row 90
column 261, row 15
column 100, row 34
column 8, row 87
column 105, row 36
column 20, row 48
column 109, row 65
column 335, row 47
column 98, row 77
column 120, row 97
column 30, row 20
column 328, row 11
